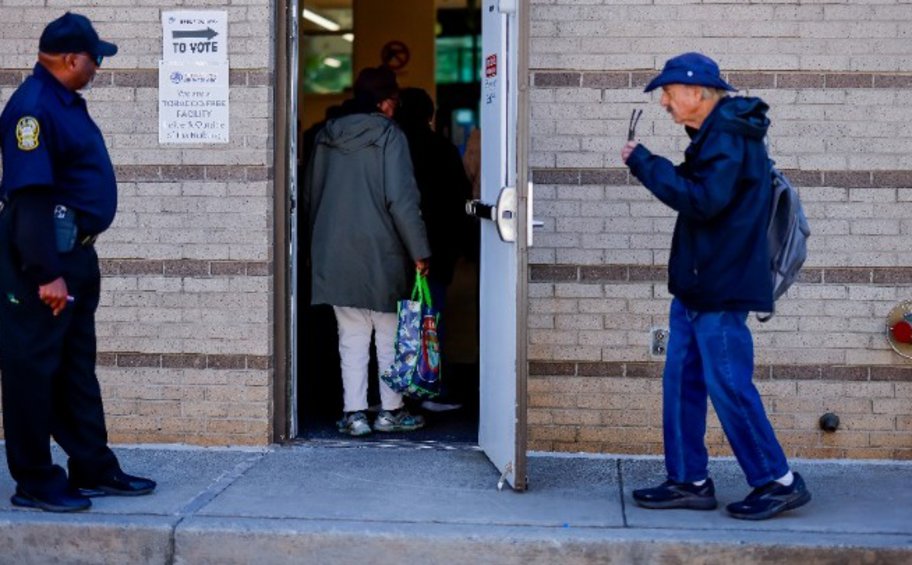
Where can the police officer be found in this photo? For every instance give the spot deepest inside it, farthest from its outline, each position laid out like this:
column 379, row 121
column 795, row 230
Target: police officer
column 60, row 192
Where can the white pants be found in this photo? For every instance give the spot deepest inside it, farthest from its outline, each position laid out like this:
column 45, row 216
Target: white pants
column 355, row 327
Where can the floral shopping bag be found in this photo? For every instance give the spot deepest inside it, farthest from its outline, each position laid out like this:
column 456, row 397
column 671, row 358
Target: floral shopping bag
column 415, row 371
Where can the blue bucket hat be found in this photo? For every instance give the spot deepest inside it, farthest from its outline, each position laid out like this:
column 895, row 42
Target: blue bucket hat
column 690, row 68
column 73, row 33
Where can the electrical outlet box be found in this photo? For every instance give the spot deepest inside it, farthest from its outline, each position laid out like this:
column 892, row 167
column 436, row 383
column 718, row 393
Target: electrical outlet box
column 658, row 341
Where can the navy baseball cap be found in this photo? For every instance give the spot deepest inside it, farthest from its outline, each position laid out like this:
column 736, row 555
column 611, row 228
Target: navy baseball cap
column 690, row 68
column 73, row 33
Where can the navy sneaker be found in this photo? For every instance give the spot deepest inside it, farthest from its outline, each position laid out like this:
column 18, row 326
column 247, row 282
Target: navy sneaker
column 678, row 495
column 66, row 501
column 771, row 499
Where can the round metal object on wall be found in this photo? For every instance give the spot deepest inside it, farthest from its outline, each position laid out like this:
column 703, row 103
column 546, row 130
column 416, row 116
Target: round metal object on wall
column 900, row 314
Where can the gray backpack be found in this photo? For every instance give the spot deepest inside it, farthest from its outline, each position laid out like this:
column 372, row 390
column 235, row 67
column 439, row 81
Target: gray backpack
column 787, row 236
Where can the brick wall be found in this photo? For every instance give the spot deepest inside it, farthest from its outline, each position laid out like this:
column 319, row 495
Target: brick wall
column 836, row 75
column 185, row 324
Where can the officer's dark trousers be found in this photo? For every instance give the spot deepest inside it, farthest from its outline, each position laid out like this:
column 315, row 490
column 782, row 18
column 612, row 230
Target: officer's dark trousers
column 48, row 374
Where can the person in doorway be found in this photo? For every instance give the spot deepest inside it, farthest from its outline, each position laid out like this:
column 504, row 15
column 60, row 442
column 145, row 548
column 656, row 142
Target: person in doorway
column 59, row 185
column 366, row 236
column 444, row 190
column 472, row 162
column 718, row 271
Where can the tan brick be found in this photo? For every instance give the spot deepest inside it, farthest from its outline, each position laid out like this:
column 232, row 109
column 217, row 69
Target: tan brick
column 846, row 439
column 183, row 425
column 800, row 437
column 641, row 418
column 554, row 433
column 868, row 453
column 164, row 409
column 904, row 390
column 904, row 423
column 870, row 390
column 542, row 445
column 848, row 405
column 891, row 406
column 535, row 417
column 782, row 421
column 623, row 402
column 872, row 422
column 891, row 439
column 205, row 410
column 575, row 417
column 553, row 400
column 231, row 427
column 252, row 411
column 793, row 405
column 819, row 452
column 821, row 390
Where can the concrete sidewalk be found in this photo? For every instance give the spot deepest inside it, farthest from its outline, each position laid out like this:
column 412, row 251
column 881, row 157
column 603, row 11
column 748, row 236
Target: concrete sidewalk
column 345, row 502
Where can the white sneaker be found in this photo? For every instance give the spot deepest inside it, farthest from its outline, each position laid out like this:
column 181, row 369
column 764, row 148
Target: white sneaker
column 432, row 406
column 397, row 421
column 354, row 424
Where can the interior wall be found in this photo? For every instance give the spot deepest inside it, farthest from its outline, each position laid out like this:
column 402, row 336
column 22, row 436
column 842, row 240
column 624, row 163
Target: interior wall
column 409, row 23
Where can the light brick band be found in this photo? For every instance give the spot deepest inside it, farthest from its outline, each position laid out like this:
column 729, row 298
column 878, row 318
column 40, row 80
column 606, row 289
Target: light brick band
column 183, row 361
column 143, row 78
column 184, row 268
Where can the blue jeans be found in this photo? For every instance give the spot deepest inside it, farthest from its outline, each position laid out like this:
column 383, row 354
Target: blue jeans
column 712, row 353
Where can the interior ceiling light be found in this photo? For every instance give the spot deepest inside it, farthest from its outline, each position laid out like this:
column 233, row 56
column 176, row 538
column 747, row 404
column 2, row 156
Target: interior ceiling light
column 349, row 37
column 325, row 23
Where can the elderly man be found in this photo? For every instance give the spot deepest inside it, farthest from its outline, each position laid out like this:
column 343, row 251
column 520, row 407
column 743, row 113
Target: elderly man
column 59, row 183
column 718, row 271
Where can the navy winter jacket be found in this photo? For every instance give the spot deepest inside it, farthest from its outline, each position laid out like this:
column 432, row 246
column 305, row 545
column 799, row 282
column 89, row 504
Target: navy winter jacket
column 722, row 193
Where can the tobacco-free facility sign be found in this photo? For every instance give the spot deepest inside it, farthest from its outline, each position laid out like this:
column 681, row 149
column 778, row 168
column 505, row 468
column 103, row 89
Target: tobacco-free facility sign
column 193, row 103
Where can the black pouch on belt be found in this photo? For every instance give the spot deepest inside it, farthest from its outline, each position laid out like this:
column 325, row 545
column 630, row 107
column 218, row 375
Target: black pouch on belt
column 65, row 228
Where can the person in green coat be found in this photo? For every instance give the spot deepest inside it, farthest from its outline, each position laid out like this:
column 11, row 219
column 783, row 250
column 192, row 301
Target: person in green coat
column 366, row 237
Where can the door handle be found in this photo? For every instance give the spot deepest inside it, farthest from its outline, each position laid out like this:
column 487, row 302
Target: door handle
column 503, row 214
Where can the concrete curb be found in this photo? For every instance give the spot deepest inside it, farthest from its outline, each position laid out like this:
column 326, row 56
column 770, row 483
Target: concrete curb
column 159, row 540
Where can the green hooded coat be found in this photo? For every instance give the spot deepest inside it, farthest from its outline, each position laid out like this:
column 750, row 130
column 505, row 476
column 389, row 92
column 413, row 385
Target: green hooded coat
column 365, row 224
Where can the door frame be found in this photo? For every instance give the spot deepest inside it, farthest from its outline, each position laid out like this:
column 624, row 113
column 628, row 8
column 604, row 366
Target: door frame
column 285, row 100
column 283, row 410
column 523, row 228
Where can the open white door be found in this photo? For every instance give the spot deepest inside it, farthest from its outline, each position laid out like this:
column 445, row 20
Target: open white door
column 501, row 431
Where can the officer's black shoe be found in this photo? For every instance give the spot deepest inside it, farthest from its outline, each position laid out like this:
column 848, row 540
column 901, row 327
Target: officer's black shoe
column 117, row 483
column 67, row 501
column 678, row 495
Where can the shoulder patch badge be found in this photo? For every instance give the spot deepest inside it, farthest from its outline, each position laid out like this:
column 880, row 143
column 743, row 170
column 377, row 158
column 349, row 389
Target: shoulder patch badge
column 27, row 130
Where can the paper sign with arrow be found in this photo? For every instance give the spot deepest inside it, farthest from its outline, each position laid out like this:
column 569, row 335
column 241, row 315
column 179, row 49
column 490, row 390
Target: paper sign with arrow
column 195, row 36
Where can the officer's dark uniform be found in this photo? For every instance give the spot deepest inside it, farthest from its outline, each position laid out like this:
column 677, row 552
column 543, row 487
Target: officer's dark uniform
column 54, row 160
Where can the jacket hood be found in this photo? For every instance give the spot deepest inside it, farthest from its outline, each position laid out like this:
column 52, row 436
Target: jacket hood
column 742, row 115
column 356, row 131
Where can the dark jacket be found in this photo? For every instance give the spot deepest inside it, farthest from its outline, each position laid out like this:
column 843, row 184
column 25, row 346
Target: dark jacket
column 365, row 225
column 719, row 258
column 444, row 190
